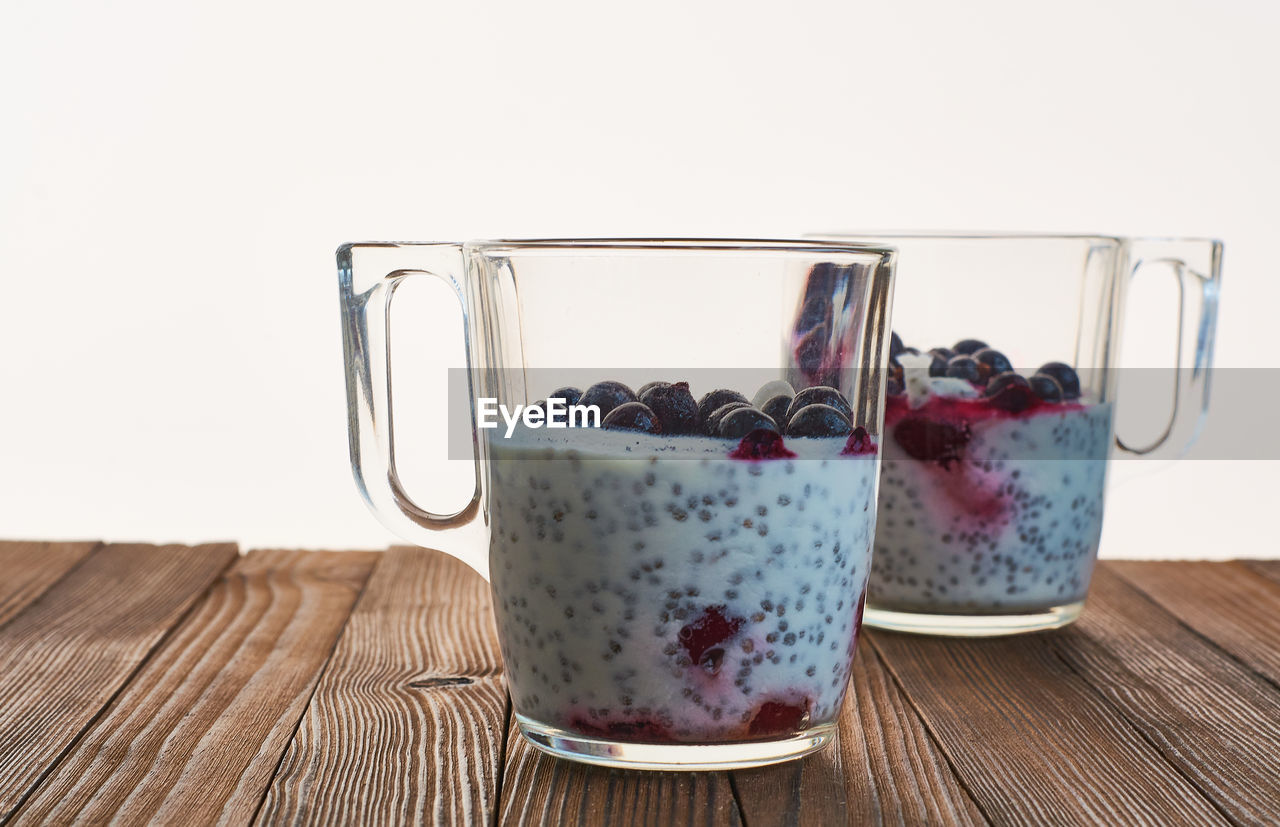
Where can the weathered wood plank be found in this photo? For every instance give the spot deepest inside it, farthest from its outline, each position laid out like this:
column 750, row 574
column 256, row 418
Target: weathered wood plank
column 1229, row 603
column 1212, row 718
column 197, row 735
column 1269, row 569
column 65, row 656
column 540, row 790
column 810, row 791
column 31, row 567
column 894, row 772
column 883, row 769
column 406, row 724
column 1031, row 741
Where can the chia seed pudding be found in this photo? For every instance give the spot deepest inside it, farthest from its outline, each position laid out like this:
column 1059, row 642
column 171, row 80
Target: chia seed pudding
column 991, row 493
column 653, row 587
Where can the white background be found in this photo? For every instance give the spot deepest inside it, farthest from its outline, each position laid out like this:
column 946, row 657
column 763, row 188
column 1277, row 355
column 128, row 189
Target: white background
column 174, row 178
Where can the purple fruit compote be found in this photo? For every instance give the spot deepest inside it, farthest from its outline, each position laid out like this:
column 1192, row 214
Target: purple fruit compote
column 683, row 574
column 991, row 487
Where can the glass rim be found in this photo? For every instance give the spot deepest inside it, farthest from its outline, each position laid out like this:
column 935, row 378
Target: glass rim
column 1010, row 235
column 809, row 246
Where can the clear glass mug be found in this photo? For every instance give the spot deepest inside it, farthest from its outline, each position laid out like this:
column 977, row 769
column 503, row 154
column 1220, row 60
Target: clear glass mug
column 679, row 587
column 992, row 487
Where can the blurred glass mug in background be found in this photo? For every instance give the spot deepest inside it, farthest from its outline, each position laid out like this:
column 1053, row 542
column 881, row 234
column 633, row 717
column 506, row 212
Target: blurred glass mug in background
column 999, row 421
column 681, row 587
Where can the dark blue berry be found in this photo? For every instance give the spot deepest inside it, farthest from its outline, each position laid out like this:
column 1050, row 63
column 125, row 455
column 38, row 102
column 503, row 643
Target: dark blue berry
column 674, row 406
column 569, row 395
column 818, row 420
column 811, row 350
column 896, row 383
column 742, row 421
column 776, row 409
column 821, row 395
column 1066, row 377
column 941, row 355
column 714, row 400
column 815, row 312
column 712, row 425
column 632, row 416
column 992, row 362
column 965, row 367
column 1046, row 387
column 966, row 347
column 1009, row 392
column 647, row 386
column 895, row 344
column 607, row 396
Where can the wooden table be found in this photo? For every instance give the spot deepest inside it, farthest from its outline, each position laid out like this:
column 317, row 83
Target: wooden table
column 191, row 685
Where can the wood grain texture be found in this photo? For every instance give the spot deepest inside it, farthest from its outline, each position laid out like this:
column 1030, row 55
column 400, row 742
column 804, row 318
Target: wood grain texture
column 1031, row 741
column 1269, row 569
column 883, row 768
column 31, row 567
column 1231, row 604
column 1212, row 718
column 893, row 771
column 406, row 724
column 65, row 656
column 540, row 790
column 197, row 735
column 807, row 792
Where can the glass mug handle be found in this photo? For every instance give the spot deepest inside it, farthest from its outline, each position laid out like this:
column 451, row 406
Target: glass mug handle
column 368, row 276
column 1197, row 267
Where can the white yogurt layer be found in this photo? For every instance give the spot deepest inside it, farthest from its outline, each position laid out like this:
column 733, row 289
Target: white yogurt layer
column 651, row 588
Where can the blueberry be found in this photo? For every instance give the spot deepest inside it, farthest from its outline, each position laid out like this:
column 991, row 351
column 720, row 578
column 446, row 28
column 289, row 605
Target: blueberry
column 941, row 355
column 632, row 416
column 823, row 395
column 712, row 425
column 813, row 313
column 992, row 362
column 569, row 395
column 647, row 386
column 965, row 367
column 607, row 395
column 1009, row 392
column 818, row 420
column 965, row 347
column 742, row 421
column 674, row 406
column 897, row 381
column 776, row 408
column 811, row 350
column 716, row 399
column 771, row 389
column 1046, row 387
column 1066, row 377
column 895, row 344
